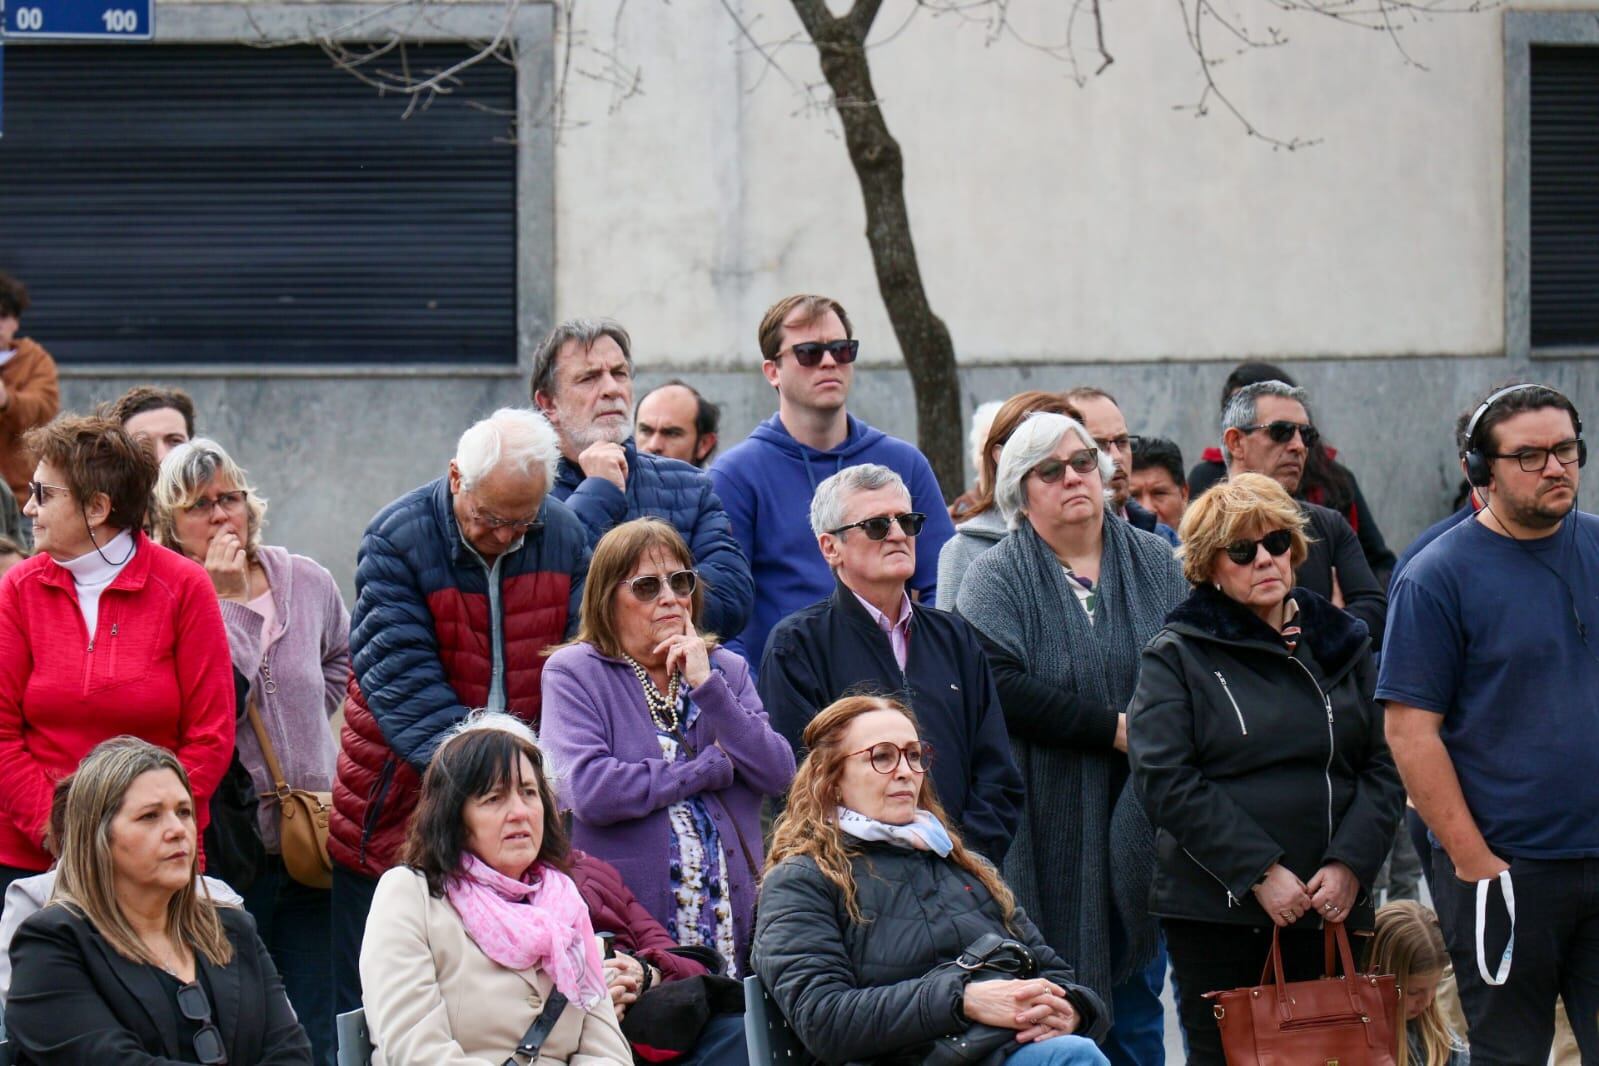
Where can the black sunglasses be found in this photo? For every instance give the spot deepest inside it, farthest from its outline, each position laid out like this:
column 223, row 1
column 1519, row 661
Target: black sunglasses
column 648, row 587
column 208, row 1047
column 1283, row 432
column 1243, row 552
column 877, row 528
column 38, row 490
column 809, row 353
column 885, row 756
column 1052, row 470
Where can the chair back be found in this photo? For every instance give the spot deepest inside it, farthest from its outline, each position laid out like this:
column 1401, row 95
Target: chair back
column 355, row 1043
column 767, row 1035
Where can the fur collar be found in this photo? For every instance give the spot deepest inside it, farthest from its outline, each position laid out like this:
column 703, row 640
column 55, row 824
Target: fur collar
column 1333, row 636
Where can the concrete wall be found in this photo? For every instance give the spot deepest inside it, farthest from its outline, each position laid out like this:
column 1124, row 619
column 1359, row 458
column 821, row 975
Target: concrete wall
column 1068, row 234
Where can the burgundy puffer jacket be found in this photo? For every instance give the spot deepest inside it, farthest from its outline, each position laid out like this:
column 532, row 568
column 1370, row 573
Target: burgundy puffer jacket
column 614, row 909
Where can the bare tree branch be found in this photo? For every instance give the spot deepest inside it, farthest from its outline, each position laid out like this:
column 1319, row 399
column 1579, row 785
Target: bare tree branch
column 1099, row 37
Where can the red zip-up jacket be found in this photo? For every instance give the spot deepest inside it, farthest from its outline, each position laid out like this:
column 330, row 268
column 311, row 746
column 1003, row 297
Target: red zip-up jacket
column 157, row 668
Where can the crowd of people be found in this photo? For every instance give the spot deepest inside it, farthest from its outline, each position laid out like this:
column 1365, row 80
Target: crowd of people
column 621, row 725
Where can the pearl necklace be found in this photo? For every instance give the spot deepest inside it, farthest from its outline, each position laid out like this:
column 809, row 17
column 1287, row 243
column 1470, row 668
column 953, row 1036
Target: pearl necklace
column 663, row 708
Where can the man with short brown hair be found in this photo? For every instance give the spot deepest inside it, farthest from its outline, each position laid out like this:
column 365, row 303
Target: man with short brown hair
column 808, row 354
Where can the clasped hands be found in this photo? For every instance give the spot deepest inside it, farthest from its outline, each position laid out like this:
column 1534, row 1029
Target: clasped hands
column 1038, row 1009
column 1330, row 893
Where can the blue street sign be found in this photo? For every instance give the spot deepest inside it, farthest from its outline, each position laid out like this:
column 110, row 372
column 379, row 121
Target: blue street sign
column 100, row 20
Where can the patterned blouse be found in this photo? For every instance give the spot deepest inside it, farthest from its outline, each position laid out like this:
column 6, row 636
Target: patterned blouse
column 703, row 915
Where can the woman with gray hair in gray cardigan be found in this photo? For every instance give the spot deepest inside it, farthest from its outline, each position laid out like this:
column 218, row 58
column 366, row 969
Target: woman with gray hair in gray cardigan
column 289, row 635
column 1065, row 604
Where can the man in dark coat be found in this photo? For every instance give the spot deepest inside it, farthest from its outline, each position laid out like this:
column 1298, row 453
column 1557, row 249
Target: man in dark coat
column 868, row 637
column 583, row 382
column 1266, row 429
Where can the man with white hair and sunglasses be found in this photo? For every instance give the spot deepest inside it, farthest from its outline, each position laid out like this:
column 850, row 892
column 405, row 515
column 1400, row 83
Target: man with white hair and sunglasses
column 869, row 637
column 460, row 585
column 1266, row 429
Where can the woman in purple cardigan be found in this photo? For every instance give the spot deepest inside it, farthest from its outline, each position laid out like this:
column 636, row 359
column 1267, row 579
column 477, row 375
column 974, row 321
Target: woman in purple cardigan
column 658, row 737
column 289, row 635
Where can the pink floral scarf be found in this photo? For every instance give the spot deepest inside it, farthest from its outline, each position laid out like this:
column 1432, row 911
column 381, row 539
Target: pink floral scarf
column 540, row 922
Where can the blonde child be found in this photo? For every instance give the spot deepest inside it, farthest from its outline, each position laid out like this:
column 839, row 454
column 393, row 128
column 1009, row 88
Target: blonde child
column 1410, row 945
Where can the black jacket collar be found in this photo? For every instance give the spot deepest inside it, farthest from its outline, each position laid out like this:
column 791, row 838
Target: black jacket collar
column 1334, row 637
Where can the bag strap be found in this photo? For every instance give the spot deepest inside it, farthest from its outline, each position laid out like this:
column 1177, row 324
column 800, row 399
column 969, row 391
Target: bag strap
column 539, row 1031
column 267, row 750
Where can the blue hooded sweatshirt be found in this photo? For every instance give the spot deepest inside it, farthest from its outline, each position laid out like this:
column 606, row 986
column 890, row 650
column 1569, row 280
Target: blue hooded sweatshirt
column 766, row 484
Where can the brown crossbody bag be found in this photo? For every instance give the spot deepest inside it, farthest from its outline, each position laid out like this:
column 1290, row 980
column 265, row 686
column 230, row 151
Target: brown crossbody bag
column 302, row 817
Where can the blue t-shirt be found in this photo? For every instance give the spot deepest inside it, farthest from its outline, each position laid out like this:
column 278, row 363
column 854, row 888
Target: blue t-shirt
column 1481, row 633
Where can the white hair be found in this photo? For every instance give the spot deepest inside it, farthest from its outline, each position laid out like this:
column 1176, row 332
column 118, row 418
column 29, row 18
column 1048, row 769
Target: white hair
column 833, row 495
column 518, row 437
column 482, row 719
column 982, row 422
column 1034, row 441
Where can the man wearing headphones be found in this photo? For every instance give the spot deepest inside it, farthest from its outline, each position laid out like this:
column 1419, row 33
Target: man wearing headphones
column 1491, row 678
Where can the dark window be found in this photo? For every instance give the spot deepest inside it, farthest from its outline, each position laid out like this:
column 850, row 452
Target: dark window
column 186, row 204
column 1564, row 170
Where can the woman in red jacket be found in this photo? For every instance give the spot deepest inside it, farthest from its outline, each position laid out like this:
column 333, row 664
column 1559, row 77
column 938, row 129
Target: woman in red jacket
column 102, row 633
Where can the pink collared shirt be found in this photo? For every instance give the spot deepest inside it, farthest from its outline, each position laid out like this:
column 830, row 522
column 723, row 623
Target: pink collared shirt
column 899, row 632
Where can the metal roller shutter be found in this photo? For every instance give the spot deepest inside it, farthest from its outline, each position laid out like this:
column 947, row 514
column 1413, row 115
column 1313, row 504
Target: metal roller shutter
column 1565, row 197
column 229, row 204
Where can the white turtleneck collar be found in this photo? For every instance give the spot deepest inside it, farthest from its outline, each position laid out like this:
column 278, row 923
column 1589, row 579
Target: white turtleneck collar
column 93, row 571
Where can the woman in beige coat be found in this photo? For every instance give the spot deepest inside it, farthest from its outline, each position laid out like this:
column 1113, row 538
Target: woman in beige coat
column 470, row 941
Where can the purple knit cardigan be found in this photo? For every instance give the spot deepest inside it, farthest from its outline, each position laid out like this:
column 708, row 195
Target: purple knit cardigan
column 310, row 667
column 597, row 731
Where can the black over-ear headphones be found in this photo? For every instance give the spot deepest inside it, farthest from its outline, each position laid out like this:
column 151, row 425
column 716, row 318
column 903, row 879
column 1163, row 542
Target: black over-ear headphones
column 1478, row 470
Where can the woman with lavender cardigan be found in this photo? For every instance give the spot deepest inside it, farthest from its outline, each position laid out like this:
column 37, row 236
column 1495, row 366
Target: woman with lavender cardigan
column 289, row 635
column 660, row 744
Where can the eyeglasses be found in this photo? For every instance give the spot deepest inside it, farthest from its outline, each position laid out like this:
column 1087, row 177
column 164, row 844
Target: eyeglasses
column 40, row 491
column 230, row 502
column 1120, row 444
column 1052, row 470
column 877, row 528
column 516, row 525
column 208, row 1046
column 1283, row 432
column 885, row 755
column 1243, row 552
column 1532, row 459
column 809, row 353
column 648, row 586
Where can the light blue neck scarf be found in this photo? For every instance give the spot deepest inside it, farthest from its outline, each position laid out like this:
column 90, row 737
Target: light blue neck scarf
column 926, row 833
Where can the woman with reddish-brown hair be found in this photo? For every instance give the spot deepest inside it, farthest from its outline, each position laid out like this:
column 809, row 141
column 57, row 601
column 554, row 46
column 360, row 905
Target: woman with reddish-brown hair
column 102, row 633
column 868, row 898
column 982, row 526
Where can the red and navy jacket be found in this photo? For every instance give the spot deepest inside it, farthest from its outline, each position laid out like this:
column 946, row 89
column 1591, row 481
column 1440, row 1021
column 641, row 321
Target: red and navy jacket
column 421, row 656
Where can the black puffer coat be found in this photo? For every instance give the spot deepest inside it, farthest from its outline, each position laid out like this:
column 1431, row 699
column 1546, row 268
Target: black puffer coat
column 851, row 991
column 1245, row 756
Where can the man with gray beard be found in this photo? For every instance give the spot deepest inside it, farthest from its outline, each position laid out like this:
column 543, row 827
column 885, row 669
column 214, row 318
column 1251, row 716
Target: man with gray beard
column 583, row 382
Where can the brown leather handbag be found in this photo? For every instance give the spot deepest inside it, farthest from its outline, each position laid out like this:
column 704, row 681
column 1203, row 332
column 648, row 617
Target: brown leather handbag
column 1347, row 1020
column 302, row 817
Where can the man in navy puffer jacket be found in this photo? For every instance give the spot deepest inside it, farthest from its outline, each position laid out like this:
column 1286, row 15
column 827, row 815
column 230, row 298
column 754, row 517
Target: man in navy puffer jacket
column 583, row 382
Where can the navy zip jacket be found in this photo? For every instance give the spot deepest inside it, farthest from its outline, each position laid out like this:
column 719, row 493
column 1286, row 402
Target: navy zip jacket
column 833, row 648
column 674, row 492
column 767, row 482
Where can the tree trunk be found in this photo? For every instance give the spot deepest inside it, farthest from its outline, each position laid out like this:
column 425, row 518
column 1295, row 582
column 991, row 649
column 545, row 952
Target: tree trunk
column 879, row 167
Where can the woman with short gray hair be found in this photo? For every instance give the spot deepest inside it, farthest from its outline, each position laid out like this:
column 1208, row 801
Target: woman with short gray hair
column 1064, row 604
column 289, row 636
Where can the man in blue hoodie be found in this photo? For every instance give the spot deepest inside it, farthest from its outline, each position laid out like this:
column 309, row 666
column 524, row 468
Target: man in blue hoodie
column 766, row 482
column 583, row 382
